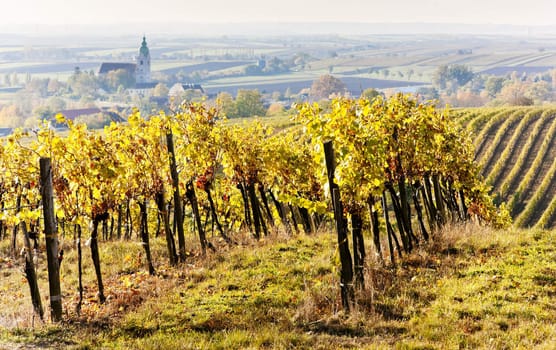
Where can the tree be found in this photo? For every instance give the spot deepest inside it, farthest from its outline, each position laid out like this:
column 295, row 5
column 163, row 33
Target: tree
column 514, row 94
column 539, row 92
column 83, row 84
column 275, row 65
column 461, row 74
column 226, row 104
column 325, row 86
column 10, row 116
column 43, row 112
column 249, row 103
column 115, row 78
column 160, row 90
column 191, row 95
column 440, row 77
column 465, row 98
column 370, row 94
column 54, row 86
column 275, row 109
column 452, row 76
column 288, row 93
column 277, row 96
column 37, row 85
column 144, row 104
column 493, row 85
column 427, row 93
column 300, row 59
column 94, row 121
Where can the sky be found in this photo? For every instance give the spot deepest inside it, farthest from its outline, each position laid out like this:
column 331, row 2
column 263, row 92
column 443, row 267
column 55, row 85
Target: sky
column 69, row 12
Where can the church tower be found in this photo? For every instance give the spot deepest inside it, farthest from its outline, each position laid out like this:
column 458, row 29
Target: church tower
column 143, row 70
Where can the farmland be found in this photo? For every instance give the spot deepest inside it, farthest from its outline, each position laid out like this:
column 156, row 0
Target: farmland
column 515, row 148
column 381, row 61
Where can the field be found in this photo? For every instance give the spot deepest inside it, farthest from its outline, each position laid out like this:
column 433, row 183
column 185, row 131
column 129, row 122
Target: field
column 409, row 60
column 516, row 149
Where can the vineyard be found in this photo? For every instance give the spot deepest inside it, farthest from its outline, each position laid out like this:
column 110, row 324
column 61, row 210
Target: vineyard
column 394, row 170
column 515, row 148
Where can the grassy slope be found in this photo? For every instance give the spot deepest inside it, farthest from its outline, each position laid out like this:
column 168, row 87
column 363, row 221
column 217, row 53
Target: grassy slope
column 477, row 289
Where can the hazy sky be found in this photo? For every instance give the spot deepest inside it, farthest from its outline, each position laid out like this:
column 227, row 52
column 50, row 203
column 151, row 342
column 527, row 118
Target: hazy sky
column 519, row 12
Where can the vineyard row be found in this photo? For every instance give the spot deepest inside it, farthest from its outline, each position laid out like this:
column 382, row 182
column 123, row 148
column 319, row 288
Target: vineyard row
column 396, row 167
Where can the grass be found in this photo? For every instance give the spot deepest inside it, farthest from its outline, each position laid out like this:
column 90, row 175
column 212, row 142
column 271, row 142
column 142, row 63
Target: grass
column 473, row 288
column 503, row 299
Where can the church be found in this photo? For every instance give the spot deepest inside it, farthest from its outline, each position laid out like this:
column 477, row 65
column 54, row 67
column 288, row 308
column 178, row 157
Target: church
column 140, row 70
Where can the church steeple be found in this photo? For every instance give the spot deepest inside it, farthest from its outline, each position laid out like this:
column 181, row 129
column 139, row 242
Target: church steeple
column 144, row 50
column 143, row 70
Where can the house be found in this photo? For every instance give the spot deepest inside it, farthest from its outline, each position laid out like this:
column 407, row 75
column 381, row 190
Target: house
column 179, row 88
column 72, row 114
column 142, row 89
column 5, row 131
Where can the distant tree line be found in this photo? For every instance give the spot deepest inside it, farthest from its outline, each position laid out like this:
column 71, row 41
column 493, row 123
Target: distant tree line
column 459, row 86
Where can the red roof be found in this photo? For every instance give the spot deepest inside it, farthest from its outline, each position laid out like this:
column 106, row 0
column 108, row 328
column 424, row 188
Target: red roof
column 74, row 113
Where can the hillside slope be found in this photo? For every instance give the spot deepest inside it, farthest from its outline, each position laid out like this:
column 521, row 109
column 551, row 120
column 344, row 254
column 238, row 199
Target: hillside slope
column 516, row 149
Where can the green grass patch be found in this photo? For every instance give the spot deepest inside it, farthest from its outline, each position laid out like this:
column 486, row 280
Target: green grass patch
column 473, row 288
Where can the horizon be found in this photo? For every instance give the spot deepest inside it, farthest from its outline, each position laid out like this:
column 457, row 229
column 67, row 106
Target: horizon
column 31, row 16
column 273, row 28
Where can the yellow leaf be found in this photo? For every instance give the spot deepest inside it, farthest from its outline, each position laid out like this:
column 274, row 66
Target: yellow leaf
column 60, row 119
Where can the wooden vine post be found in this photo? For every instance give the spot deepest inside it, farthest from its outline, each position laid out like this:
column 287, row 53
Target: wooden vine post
column 31, row 274
column 192, row 197
column 346, row 271
column 178, row 213
column 51, row 236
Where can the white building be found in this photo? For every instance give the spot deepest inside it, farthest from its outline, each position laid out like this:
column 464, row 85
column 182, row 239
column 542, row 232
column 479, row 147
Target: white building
column 141, row 69
column 143, row 64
